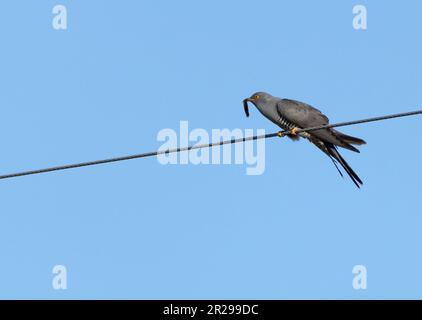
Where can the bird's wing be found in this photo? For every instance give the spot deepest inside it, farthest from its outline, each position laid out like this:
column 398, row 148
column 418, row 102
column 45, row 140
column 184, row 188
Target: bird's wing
column 305, row 116
column 301, row 114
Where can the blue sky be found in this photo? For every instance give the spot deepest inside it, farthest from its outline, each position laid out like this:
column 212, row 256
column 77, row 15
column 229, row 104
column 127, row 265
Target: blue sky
column 124, row 70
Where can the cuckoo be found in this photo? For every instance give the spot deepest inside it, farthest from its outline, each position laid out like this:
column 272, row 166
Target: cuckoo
column 292, row 115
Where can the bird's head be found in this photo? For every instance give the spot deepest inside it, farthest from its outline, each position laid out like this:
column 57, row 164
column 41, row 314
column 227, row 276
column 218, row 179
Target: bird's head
column 259, row 99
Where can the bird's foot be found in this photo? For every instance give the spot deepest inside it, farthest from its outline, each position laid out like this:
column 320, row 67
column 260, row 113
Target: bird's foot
column 280, row 134
column 293, row 132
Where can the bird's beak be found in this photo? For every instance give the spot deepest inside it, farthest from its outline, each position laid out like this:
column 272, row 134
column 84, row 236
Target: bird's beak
column 245, row 105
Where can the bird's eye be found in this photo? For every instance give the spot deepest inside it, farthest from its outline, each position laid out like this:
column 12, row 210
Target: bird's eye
column 256, row 97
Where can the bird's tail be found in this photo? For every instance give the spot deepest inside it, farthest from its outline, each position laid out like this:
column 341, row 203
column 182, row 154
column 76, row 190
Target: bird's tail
column 334, row 154
column 347, row 138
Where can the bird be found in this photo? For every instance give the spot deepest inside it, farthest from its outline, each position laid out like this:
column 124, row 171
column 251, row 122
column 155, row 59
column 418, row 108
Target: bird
column 291, row 115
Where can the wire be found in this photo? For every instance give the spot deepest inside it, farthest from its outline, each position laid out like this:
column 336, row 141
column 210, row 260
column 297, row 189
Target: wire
column 209, row 145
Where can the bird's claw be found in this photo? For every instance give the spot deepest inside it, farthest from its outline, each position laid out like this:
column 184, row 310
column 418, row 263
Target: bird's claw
column 280, row 134
column 293, row 132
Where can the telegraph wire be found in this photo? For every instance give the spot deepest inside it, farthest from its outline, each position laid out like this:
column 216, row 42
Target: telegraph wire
column 208, row 145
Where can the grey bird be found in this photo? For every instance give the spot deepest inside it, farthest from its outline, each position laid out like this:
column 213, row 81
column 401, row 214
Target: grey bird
column 293, row 115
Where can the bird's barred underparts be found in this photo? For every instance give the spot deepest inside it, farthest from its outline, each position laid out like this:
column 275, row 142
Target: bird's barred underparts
column 287, row 126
